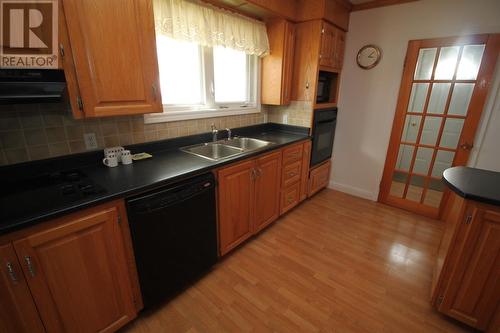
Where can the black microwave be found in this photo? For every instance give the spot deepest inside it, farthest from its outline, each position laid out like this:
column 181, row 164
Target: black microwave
column 326, row 87
column 323, row 91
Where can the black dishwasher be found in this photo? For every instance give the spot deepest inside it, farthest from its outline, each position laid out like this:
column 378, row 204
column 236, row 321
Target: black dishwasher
column 174, row 235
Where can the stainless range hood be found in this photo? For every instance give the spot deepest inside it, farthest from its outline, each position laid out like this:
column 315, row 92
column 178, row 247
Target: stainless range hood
column 31, row 85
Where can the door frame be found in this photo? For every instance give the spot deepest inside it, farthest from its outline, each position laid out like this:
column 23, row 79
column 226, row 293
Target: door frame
column 476, row 106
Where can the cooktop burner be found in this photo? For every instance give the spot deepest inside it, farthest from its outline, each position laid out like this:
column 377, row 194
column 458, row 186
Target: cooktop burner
column 45, row 192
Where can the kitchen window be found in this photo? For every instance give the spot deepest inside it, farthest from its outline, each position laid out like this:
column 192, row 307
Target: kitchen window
column 199, row 81
column 209, row 61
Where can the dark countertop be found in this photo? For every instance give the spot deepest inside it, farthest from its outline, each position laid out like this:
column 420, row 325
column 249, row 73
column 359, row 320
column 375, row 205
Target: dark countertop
column 168, row 165
column 474, row 184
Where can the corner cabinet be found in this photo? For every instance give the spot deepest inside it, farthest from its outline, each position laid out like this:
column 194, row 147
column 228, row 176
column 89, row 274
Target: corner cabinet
column 466, row 282
column 248, row 196
column 114, row 60
column 78, row 264
column 278, row 65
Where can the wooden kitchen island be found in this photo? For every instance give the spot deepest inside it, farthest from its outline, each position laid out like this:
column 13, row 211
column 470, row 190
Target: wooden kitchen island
column 466, row 283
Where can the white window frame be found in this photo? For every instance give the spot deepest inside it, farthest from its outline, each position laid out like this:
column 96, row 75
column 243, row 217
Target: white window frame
column 212, row 109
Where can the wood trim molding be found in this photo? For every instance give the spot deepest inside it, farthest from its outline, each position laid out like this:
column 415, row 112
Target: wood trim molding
column 378, row 3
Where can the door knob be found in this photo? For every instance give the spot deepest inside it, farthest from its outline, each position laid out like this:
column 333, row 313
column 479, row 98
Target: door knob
column 466, row 146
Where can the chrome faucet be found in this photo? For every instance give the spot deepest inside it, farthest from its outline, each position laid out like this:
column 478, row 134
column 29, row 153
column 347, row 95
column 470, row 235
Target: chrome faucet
column 215, row 131
column 228, row 133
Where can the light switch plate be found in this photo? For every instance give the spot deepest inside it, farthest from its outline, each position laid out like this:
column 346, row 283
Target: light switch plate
column 90, row 141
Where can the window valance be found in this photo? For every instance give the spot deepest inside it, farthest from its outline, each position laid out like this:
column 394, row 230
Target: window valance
column 194, row 21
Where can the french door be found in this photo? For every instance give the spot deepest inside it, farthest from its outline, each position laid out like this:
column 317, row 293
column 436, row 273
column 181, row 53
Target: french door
column 443, row 90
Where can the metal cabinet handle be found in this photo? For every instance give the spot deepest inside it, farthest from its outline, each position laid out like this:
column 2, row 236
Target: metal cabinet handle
column 153, row 90
column 259, row 172
column 29, row 263
column 254, row 174
column 12, row 273
column 291, row 174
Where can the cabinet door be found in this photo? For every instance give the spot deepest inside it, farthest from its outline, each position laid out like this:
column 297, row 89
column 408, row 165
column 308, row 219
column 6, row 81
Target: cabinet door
column 319, row 178
column 474, row 289
column 339, row 48
column 235, row 194
column 304, row 180
column 288, row 63
column 77, row 273
column 277, row 66
column 17, row 309
column 114, row 51
column 328, row 39
column 267, row 190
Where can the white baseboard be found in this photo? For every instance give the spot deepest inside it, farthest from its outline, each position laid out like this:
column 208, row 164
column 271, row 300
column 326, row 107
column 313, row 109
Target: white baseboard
column 358, row 192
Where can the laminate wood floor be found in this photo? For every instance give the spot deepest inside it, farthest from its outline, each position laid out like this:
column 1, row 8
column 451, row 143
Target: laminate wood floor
column 336, row 263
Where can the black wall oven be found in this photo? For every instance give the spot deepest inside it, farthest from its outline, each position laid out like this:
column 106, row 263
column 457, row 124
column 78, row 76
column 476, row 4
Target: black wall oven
column 324, row 124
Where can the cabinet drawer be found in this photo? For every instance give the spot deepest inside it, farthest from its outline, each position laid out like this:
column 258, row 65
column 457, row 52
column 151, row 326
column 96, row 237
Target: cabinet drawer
column 292, row 154
column 290, row 197
column 291, row 173
column 319, row 178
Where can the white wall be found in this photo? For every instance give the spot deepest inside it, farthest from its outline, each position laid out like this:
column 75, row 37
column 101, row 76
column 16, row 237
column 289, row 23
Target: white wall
column 368, row 98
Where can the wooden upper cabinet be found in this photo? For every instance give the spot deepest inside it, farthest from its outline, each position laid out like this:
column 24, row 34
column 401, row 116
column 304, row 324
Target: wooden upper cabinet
column 332, row 47
column 18, row 312
column 114, row 52
column 306, row 60
column 283, row 8
column 334, row 11
column 339, row 49
column 277, row 67
column 77, row 272
column 235, row 196
column 267, row 190
column 327, row 50
column 473, row 290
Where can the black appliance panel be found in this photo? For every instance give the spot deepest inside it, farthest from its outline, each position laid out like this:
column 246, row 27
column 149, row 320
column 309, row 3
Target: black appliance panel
column 174, row 236
column 31, row 85
column 325, row 121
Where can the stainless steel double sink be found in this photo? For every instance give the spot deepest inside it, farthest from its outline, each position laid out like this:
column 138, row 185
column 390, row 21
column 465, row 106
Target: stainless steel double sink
column 219, row 150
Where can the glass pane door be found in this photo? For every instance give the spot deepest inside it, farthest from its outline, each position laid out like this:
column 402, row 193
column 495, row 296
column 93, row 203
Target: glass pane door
column 433, row 109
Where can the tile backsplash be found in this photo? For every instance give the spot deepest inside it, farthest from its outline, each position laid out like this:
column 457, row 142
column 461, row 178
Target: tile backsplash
column 37, row 131
column 298, row 113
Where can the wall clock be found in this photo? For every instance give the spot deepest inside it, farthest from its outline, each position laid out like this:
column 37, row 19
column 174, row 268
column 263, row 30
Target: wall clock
column 369, row 56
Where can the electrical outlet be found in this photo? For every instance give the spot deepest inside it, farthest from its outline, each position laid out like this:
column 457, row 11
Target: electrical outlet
column 285, row 118
column 90, row 141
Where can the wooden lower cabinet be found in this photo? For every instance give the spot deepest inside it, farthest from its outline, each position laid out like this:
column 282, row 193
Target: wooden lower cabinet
column 236, row 202
column 253, row 193
column 290, row 197
column 295, row 174
column 306, row 160
column 18, row 312
column 467, row 284
column 75, row 269
column 319, row 177
column 248, row 199
column 267, row 190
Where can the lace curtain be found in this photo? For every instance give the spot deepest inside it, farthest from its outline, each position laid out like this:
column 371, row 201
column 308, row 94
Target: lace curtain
column 210, row 26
